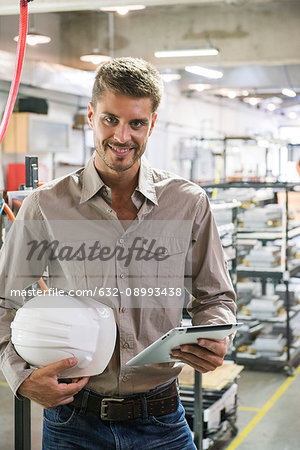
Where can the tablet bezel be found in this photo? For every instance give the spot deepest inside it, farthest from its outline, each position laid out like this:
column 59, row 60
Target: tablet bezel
column 159, row 351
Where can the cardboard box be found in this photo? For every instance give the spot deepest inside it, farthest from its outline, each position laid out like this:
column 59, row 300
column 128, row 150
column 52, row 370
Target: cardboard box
column 16, row 137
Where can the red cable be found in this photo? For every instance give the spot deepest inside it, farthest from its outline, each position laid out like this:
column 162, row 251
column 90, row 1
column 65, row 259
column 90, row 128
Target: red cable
column 18, row 68
column 13, row 94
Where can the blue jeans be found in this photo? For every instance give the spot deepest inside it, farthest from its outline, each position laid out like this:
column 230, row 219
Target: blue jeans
column 67, row 428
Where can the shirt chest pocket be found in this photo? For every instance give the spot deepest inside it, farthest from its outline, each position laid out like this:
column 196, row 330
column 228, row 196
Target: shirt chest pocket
column 80, row 265
column 162, row 264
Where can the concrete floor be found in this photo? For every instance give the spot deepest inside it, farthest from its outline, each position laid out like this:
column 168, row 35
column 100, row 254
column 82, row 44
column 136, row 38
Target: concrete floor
column 278, row 414
column 278, row 427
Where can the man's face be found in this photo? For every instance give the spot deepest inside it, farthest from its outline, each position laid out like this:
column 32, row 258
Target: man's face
column 121, row 125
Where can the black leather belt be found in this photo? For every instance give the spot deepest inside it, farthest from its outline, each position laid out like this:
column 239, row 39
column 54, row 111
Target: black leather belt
column 128, row 408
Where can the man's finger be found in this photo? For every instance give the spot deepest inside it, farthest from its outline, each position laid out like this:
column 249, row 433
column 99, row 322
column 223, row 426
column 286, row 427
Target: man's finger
column 196, row 362
column 201, row 352
column 59, row 366
column 63, row 401
column 218, row 346
column 83, row 381
column 73, row 388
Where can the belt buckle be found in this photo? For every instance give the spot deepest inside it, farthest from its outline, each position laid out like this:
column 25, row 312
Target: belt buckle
column 104, row 405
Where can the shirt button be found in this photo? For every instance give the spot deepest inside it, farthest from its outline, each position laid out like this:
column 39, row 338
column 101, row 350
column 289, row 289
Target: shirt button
column 124, row 378
column 122, row 275
column 109, row 210
column 121, row 241
column 125, row 345
column 123, row 309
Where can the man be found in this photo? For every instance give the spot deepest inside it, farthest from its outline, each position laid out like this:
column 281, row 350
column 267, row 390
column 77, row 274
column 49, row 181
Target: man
column 120, row 197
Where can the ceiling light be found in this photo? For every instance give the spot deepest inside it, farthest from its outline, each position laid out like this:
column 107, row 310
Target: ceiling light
column 253, row 101
column 209, row 51
column 289, row 92
column 95, row 57
column 228, row 93
column 169, row 77
column 33, row 38
column 245, row 93
column 271, row 107
column 231, row 94
column 292, row 115
column 122, row 10
column 199, row 87
column 202, row 71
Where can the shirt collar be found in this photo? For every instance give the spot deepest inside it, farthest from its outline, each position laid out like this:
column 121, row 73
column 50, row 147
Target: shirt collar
column 146, row 183
column 92, row 182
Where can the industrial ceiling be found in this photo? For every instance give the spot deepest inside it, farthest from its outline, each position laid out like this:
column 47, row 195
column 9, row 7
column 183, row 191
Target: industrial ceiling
column 258, row 40
column 44, row 6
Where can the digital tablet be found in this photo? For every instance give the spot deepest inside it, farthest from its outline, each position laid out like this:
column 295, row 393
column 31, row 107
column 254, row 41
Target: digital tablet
column 159, row 351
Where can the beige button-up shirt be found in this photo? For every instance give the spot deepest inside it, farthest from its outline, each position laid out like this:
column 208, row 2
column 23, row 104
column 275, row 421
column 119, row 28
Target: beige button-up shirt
column 68, row 231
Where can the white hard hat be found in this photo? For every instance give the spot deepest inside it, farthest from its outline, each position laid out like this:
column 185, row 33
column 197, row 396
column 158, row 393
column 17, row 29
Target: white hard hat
column 53, row 327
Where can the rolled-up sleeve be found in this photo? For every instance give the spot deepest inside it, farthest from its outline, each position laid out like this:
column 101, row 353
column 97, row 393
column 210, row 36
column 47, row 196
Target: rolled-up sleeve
column 214, row 300
column 16, row 274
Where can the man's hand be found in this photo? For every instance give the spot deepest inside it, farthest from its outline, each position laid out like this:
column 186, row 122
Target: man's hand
column 205, row 356
column 42, row 385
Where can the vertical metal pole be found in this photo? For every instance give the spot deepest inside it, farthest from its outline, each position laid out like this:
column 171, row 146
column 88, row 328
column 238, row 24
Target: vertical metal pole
column 279, row 163
column 225, row 157
column 267, row 162
column 198, row 420
column 234, row 261
column 234, row 246
column 287, row 299
column 53, row 164
column 287, row 307
column 22, row 425
column 264, row 281
column 22, row 407
column 192, row 170
column 31, row 172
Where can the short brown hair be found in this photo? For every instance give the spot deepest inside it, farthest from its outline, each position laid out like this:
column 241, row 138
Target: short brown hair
column 134, row 77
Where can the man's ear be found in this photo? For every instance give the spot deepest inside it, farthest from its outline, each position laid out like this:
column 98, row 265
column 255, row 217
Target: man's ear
column 90, row 115
column 152, row 123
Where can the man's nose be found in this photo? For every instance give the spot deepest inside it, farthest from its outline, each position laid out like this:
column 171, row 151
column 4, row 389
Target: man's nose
column 122, row 133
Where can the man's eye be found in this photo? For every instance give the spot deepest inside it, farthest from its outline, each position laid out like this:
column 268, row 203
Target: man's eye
column 110, row 120
column 137, row 124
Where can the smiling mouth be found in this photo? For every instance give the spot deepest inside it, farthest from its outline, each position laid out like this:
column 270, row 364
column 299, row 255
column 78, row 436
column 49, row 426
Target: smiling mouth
column 119, row 151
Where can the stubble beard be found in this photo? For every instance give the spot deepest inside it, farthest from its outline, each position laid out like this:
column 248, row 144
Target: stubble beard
column 102, row 150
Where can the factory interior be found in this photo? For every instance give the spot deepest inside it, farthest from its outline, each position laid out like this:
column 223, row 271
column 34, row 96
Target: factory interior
column 228, row 121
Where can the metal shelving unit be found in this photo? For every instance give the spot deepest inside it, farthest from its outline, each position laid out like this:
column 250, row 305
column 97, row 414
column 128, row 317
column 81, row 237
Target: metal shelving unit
column 218, row 415
column 232, row 206
column 192, row 397
column 282, row 273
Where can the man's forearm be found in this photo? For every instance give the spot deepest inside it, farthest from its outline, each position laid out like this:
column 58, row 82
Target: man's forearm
column 14, row 368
